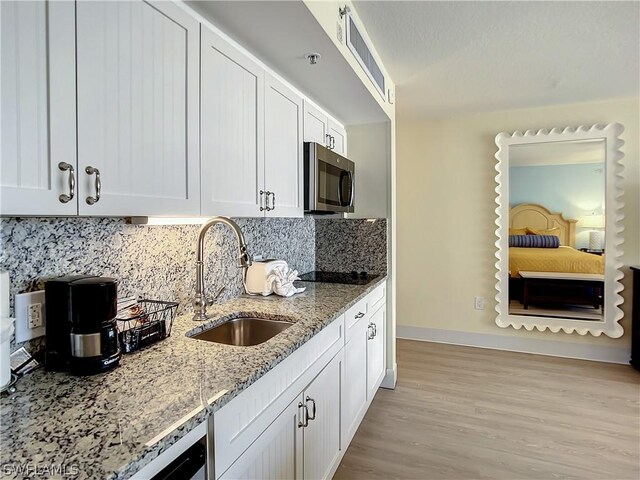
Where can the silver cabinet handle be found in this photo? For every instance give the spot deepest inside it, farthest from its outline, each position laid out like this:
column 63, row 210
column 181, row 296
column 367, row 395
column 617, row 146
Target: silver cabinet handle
column 64, row 167
column 359, row 315
column 262, row 192
column 273, row 200
column 313, row 409
column 266, row 201
column 370, row 331
column 90, row 171
column 333, row 142
column 375, row 330
column 305, row 417
column 328, row 142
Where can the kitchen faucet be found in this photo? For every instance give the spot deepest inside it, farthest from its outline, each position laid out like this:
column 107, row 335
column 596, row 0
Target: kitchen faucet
column 200, row 302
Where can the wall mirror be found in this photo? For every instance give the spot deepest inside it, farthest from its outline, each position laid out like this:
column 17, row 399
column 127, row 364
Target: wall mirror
column 559, row 229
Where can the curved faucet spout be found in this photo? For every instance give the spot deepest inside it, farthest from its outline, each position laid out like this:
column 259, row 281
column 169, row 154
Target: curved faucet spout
column 200, row 301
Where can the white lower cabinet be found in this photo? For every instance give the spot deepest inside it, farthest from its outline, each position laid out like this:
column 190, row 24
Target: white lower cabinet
column 304, row 441
column 375, row 350
column 355, row 388
column 298, row 419
column 276, row 454
column 322, row 442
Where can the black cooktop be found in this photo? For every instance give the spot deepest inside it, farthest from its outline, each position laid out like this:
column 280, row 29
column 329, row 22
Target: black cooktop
column 351, row 278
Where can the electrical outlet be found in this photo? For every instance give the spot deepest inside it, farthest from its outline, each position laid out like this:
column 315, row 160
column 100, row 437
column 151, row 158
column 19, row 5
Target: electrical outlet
column 34, row 315
column 30, row 317
column 339, row 31
column 479, row 303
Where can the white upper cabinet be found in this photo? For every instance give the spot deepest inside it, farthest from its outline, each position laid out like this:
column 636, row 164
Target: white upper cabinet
column 315, row 125
column 337, row 138
column 232, row 131
column 138, row 84
column 321, row 128
column 38, row 108
column 283, row 148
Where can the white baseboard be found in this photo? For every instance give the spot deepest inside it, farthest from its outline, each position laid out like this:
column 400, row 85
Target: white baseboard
column 390, row 378
column 517, row 344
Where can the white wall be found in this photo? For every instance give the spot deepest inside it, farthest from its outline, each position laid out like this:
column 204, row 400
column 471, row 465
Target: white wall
column 446, row 213
column 369, row 147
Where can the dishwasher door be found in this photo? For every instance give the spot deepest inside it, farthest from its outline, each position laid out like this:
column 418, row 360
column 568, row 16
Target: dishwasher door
column 190, row 465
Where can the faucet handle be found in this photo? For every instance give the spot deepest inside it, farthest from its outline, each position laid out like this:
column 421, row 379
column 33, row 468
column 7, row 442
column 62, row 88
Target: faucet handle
column 244, row 259
column 212, row 300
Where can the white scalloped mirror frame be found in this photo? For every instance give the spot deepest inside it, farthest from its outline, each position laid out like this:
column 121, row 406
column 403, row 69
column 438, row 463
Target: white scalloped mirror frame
column 610, row 325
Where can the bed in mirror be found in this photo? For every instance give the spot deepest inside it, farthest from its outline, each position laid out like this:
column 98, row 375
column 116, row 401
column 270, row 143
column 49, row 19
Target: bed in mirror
column 559, row 230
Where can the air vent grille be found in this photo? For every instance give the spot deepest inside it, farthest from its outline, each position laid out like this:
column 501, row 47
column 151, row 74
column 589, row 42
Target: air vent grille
column 362, row 52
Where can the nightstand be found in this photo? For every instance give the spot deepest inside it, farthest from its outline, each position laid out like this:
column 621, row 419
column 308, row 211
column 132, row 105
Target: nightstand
column 594, row 252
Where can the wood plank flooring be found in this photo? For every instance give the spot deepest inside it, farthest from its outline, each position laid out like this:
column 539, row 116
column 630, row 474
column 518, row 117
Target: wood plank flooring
column 469, row 413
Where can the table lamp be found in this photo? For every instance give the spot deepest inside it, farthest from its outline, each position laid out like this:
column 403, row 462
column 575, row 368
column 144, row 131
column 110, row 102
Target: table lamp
column 596, row 237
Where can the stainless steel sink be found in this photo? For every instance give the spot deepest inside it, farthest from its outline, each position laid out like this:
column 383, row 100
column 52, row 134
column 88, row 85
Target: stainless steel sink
column 244, row 331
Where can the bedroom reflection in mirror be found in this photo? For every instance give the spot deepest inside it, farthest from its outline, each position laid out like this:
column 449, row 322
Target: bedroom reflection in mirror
column 556, row 229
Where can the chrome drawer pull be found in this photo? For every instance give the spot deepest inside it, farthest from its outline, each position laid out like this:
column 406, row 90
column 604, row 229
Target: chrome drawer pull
column 266, row 202
column 305, row 416
column 370, row 331
column 64, row 167
column 90, row 171
column 359, row 315
column 313, row 409
column 262, row 192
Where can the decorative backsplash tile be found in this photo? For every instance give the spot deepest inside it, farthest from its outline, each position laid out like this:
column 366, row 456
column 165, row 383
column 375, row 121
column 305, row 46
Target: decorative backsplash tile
column 151, row 261
column 345, row 245
column 158, row 261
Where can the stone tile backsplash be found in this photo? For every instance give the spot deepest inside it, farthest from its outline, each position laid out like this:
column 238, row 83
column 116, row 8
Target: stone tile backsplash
column 351, row 245
column 158, row 262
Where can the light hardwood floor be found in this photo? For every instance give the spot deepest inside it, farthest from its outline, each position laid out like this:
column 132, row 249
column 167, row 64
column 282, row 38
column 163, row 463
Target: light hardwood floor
column 466, row 413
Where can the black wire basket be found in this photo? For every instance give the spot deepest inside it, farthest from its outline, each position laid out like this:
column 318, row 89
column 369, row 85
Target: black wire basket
column 151, row 325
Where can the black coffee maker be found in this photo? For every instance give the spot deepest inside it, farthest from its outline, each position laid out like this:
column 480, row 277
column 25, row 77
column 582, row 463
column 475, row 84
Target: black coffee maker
column 81, row 331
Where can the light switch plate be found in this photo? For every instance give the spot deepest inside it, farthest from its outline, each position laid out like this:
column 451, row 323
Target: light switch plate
column 25, row 303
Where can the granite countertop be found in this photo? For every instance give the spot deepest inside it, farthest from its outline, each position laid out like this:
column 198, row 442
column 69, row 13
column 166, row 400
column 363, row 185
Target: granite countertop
column 112, row 424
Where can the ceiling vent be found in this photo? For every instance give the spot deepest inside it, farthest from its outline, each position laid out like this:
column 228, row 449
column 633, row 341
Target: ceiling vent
column 362, row 52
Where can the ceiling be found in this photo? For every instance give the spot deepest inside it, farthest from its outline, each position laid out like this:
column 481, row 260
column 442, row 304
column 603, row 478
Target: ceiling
column 449, row 58
column 281, row 33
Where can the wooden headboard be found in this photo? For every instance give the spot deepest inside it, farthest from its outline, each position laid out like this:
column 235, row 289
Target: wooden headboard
column 538, row 217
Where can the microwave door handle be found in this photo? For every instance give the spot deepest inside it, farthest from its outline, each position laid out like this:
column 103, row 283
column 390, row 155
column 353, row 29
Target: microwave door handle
column 340, row 200
column 350, row 173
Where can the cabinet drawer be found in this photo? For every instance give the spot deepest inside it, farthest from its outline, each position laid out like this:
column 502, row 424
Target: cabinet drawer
column 353, row 316
column 376, row 298
column 243, row 419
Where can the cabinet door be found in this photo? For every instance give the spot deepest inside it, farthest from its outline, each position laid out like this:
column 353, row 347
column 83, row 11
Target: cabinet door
column 277, row 452
column 375, row 350
column 322, row 439
column 38, row 98
column 315, row 125
column 283, row 149
column 138, row 85
column 355, row 375
column 338, row 138
column 232, row 130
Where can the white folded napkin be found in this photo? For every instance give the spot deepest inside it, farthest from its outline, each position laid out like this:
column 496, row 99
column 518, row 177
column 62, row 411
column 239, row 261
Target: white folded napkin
column 280, row 282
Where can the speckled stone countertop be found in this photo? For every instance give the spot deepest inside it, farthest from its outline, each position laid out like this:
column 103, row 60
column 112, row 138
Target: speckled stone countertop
column 110, row 425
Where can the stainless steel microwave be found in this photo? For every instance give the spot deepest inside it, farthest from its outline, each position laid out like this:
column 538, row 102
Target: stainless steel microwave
column 328, row 180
